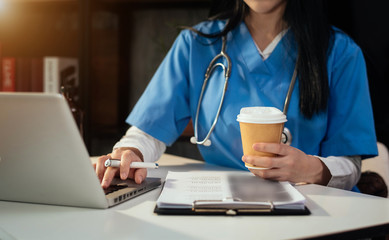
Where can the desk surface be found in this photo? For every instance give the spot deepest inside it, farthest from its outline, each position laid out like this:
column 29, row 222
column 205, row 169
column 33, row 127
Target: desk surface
column 333, row 211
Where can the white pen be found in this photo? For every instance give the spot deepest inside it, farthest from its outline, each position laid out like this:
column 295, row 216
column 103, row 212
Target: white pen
column 116, row 163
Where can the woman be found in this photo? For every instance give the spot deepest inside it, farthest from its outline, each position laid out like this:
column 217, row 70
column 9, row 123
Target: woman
column 329, row 116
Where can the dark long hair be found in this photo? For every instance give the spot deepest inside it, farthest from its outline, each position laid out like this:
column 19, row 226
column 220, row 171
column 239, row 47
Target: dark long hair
column 307, row 19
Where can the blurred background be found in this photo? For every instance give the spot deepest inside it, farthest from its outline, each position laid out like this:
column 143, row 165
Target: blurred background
column 118, row 44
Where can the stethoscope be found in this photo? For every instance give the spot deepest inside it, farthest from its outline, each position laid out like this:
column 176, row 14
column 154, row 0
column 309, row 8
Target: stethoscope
column 286, row 134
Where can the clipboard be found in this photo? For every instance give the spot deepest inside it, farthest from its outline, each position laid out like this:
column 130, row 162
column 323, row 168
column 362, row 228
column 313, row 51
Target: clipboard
column 230, row 210
column 223, row 193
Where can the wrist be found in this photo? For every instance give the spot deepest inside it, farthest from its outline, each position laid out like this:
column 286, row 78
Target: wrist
column 321, row 172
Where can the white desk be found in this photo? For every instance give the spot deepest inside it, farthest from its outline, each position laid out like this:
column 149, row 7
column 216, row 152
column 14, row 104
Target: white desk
column 333, row 212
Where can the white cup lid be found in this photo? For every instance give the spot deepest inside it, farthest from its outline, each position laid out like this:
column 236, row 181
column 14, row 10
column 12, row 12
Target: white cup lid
column 266, row 115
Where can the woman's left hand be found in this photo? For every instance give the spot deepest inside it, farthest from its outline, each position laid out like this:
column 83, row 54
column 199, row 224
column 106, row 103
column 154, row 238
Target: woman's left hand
column 289, row 164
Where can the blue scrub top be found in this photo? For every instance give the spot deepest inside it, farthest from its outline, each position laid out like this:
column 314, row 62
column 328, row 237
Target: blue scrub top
column 345, row 128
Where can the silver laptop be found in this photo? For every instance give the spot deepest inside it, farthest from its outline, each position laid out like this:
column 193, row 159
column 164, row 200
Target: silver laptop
column 43, row 158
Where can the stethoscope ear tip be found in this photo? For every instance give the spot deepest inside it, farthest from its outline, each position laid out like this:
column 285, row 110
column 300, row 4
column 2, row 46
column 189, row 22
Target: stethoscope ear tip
column 206, row 143
column 193, row 140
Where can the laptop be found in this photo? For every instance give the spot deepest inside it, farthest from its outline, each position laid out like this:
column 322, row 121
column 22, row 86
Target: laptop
column 43, row 158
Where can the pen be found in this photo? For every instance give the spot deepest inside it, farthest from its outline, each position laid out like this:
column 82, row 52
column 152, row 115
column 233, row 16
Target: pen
column 116, row 163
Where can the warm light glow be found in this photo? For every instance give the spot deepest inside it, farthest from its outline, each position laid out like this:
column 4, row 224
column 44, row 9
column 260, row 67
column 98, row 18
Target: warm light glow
column 2, row 4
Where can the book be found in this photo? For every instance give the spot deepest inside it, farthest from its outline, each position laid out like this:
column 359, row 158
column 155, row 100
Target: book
column 59, row 71
column 8, row 74
column 1, row 66
column 23, row 74
column 211, row 191
column 37, row 74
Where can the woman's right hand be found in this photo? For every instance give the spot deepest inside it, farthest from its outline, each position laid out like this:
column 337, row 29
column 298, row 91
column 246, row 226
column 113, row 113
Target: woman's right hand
column 126, row 157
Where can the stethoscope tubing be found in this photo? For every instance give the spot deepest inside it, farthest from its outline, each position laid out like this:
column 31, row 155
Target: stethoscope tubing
column 227, row 71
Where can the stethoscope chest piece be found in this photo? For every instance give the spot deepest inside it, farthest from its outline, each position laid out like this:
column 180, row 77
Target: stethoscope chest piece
column 286, row 137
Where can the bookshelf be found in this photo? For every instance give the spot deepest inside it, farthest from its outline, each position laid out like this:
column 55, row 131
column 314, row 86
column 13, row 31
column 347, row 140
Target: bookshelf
column 31, row 31
column 118, row 44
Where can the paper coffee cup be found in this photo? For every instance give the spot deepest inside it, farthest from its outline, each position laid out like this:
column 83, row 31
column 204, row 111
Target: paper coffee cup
column 260, row 124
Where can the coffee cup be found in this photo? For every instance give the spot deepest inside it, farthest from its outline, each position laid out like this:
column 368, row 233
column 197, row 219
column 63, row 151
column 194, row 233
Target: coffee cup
column 260, row 124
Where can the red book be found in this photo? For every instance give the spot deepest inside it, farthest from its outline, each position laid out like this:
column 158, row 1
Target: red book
column 23, row 74
column 8, row 78
column 1, row 66
column 37, row 74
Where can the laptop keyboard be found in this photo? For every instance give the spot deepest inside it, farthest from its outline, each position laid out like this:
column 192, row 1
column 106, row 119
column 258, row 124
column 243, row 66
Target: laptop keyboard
column 114, row 188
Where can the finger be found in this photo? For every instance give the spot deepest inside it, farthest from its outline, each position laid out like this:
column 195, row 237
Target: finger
column 116, row 154
column 274, row 174
column 265, row 162
column 127, row 158
column 140, row 175
column 275, row 148
column 108, row 176
column 100, row 167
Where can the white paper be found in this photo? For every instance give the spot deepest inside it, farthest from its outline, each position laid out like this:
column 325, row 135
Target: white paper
column 182, row 189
